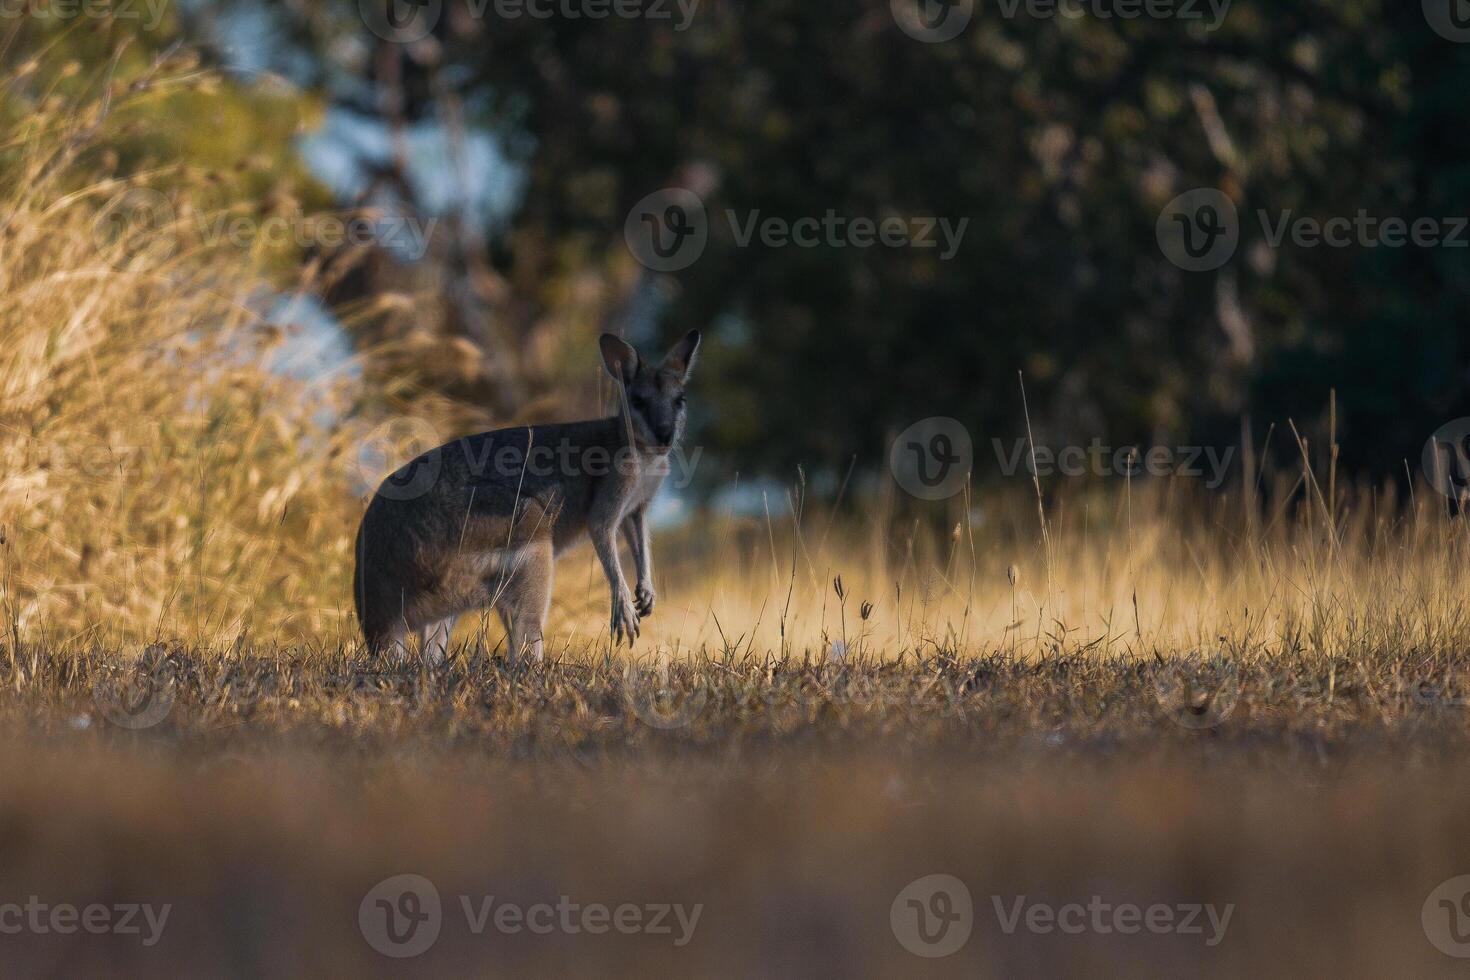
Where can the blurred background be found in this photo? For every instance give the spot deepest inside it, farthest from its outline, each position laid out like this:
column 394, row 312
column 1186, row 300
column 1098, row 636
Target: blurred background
column 521, row 139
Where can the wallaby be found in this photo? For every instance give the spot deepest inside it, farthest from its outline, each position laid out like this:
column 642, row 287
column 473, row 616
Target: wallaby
column 478, row 522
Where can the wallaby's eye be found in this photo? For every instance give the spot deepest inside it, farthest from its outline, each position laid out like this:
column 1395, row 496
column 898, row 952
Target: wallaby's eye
column 678, row 401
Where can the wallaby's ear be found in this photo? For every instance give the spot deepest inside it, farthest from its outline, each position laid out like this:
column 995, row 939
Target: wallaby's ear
column 681, row 358
column 619, row 357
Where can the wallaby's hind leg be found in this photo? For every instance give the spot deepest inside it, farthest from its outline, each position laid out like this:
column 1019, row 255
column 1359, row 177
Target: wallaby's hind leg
column 434, row 640
column 397, row 648
column 390, row 644
column 524, row 600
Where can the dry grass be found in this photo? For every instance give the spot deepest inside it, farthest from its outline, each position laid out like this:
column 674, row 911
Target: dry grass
column 163, row 478
column 154, row 476
column 1250, row 697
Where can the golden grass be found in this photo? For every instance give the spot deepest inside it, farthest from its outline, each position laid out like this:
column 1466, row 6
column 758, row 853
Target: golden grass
column 159, row 482
column 1123, row 570
column 155, row 477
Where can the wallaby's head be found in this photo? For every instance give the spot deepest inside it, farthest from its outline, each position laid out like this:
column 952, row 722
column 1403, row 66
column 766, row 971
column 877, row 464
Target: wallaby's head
column 654, row 393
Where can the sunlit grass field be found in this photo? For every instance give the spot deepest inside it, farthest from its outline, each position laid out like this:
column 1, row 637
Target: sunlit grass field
column 1135, row 688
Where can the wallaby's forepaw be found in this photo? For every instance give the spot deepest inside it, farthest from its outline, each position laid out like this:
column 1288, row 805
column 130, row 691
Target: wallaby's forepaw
column 644, row 595
column 624, row 620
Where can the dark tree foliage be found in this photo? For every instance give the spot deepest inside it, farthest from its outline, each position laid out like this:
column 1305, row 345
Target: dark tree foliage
column 1060, row 139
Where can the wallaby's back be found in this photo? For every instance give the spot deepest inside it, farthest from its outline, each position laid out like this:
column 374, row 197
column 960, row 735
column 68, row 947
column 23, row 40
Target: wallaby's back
column 440, row 529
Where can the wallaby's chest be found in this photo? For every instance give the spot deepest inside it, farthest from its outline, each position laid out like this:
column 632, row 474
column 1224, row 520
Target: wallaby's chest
column 643, row 486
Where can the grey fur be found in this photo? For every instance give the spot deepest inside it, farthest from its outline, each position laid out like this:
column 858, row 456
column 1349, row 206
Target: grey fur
column 478, row 522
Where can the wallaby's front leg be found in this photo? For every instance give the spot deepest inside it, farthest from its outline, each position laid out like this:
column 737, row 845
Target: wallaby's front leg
column 635, row 531
column 624, row 613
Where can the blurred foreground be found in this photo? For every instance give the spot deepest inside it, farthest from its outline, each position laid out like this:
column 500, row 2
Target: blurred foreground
column 781, row 808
